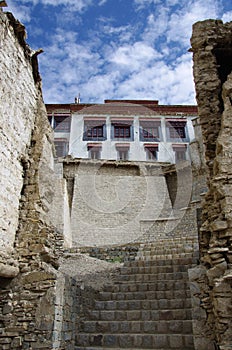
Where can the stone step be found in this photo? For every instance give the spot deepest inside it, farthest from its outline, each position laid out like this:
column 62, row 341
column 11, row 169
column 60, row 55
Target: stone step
column 166, row 256
column 186, row 261
column 116, row 348
column 139, row 341
column 175, row 242
column 169, row 244
column 153, row 304
column 141, row 294
column 148, row 327
column 131, row 286
column 139, row 315
column 166, row 250
column 144, row 278
column 153, row 269
column 104, row 348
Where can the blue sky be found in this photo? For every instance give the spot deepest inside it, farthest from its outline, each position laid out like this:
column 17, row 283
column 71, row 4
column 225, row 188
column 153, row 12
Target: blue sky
column 116, row 49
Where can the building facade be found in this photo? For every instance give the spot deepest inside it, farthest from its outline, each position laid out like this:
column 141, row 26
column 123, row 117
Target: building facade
column 131, row 130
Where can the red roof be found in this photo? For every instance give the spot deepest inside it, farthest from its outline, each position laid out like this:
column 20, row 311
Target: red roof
column 124, row 107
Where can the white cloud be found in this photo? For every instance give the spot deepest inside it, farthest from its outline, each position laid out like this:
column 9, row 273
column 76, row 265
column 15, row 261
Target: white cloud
column 144, row 3
column 227, row 17
column 65, row 64
column 134, row 57
column 156, row 25
column 169, row 84
column 102, row 2
column 22, row 12
column 128, row 71
column 181, row 21
column 144, row 59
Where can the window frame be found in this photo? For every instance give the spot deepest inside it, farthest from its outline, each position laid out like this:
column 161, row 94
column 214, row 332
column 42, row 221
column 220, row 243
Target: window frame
column 122, row 132
column 94, row 130
column 94, row 151
column 150, row 130
column 125, row 130
column 177, row 130
column 64, row 142
column 151, row 152
column 180, row 150
column 61, row 123
column 122, row 151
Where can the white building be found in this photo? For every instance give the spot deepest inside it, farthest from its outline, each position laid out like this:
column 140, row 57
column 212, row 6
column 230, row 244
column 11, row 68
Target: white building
column 136, row 130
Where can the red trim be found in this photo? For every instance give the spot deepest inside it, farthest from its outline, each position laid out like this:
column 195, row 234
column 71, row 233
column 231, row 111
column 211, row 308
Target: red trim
column 122, row 146
column 94, row 144
column 60, row 139
column 178, row 146
column 155, row 145
column 138, row 102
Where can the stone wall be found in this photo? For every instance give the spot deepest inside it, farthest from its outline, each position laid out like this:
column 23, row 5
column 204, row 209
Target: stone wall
column 117, row 253
column 17, row 123
column 212, row 54
column 30, row 243
column 109, row 200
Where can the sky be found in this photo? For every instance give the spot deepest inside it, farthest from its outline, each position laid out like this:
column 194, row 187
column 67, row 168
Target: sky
column 116, row 49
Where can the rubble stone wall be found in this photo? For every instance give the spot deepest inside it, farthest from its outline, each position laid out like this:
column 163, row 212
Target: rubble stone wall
column 29, row 278
column 212, row 55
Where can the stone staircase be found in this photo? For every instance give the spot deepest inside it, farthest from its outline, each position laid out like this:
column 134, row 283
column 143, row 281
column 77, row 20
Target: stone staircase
column 148, row 306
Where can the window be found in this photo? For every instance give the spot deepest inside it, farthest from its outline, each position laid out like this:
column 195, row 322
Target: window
column 122, row 130
column 122, row 151
column 177, row 130
column 61, row 146
column 180, row 153
column 94, row 130
column 149, row 130
column 60, row 123
column 151, row 133
column 151, row 152
column 123, row 154
column 94, row 151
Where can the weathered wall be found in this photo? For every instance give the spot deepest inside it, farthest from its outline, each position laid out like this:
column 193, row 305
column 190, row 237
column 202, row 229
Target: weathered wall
column 31, row 245
column 212, row 54
column 109, row 201
column 17, row 123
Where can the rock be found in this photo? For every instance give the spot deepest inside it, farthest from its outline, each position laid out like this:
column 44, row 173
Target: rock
column 219, row 225
column 216, row 272
column 8, row 271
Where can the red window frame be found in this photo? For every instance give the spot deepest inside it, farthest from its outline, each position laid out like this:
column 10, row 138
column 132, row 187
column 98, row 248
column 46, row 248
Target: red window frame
column 150, row 132
column 122, row 131
column 94, row 131
column 177, row 129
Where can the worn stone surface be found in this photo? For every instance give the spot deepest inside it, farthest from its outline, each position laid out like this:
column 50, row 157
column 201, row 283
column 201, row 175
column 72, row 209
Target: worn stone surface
column 30, row 244
column 212, row 54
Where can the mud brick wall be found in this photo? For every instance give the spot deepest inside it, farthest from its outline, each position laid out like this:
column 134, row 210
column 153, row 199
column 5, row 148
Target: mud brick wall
column 212, row 55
